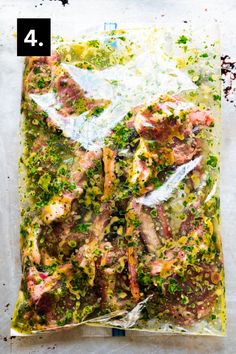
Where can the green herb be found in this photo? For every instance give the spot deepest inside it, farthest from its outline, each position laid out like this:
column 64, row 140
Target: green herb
column 184, row 299
column 87, row 310
column 209, row 181
column 121, row 136
column 158, row 282
column 49, row 269
column 189, row 290
column 82, row 227
column 79, row 105
column 143, row 277
column 213, row 317
column 62, row 171
column 97, row 252
column 142, row 157
column 191, row 71
column 204, row 55
column 72, row 243
column 93, row 43
column 135, row 222
column 132, row 244
column 114, row 82
column 156, row 182
column 42, row 319
column 98, row 110
column 44, row 181
column 173, row 286
column 212, row 161
column 24, row 233
column 188, row 248
column 41, row 83
column 59, row 186
column 90, row 172
column 182, row 40
column 129, row 114
column 37, row 70
column 153, row 213
column 214, row 238
column 67, row 318
column 216, row 97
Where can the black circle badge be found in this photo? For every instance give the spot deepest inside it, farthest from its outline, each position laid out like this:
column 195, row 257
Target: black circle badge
column 33, row 37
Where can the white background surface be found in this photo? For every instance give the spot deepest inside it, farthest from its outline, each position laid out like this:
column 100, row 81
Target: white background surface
column 82, row 13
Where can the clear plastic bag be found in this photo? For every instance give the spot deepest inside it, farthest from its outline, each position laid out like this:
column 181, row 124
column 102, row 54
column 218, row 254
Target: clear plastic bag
column 119, row 185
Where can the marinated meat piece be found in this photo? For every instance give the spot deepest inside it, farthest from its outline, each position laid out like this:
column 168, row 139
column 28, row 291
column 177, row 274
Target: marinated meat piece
column 132, row 266
column 100, row 222
column 147, row 230
column 109, row 170
column 40, row 73
column 187, row 225
column 39, row 78
column 87, row 253
column 62, row 239
column 32, row 252
column 110, row 264
column 201, row 118
column 184, row 251
column 141, row 167
column 160, row 266
column 40, row 145
column 164, row 221
column 169, row 117
column 39, row 283
column 60, row 206
column 57, row 208
column 83, row 161
column 194, row 305
column 158, row 121
column 73, row 98
column 132, row 234
column 185, row 151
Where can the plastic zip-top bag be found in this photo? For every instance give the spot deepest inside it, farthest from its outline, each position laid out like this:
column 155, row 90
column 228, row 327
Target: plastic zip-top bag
column 119, row 184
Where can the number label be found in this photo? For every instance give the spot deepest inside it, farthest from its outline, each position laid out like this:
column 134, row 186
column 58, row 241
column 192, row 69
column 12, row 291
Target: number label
column 30, row 37
column 33, row 37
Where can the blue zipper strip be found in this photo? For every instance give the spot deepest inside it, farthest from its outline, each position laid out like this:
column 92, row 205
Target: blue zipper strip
column 110, row 26
column 118, row 332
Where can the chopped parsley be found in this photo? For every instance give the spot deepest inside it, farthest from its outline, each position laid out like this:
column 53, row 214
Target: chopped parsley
column 212, row 161
column 82, row 227
column 121, row 135
column 204, row 55
column 173, row 286
column 182, row 40
column 216, row 97
column 41, row 83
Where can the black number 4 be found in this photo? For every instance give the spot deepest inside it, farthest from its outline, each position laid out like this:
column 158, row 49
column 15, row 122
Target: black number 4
column 33, row 36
